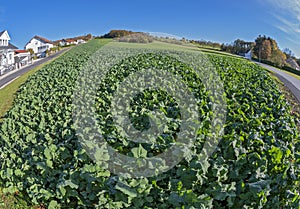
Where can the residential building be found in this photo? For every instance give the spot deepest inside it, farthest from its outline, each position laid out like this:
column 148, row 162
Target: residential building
column 39, row 45
column 80, row 41
column 6, row 52
column 22, row 58
column 293, row 63
column 71, row 42
column 248, row 55
column 62, row 42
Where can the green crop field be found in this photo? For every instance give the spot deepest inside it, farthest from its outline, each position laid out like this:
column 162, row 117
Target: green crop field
column 255, row 165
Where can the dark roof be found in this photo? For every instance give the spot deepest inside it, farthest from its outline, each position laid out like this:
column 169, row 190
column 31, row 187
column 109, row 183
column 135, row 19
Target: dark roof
column 2, row 32
column 43, row 39
column 10, row 46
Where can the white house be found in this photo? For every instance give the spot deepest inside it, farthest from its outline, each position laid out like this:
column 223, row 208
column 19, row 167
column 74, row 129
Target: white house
column 292, row 62
column 6, row 52
column 62, row 42
column 80, row 41
column 248, row 55
column 71, row 42
column 22, row 58
column 66, row 42
column 39, row 45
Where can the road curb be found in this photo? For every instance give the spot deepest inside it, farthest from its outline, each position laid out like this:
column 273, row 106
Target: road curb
column 8, row 78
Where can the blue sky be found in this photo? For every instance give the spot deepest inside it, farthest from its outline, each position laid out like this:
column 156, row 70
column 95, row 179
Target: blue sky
column 214, row 20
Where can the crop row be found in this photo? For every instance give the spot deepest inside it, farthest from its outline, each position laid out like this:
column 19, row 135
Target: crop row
column 256, row 164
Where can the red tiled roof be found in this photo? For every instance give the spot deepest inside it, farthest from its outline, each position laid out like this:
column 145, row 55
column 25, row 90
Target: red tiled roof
column 57, row 42
column 43, row 39
column 20, row 51
column 74, row 39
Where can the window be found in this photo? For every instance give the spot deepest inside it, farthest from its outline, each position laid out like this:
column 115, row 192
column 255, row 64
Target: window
column 10, row 57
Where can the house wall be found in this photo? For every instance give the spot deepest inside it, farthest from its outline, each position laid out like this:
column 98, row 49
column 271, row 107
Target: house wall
column 80, row 41
column 3, row 42
column 2, row 60
column 4, row 39
column 10, row 58
column 7, row 58
column 38, row 46
column 248, row 55
column 6, row 55
column 62, row 43
column 33, row 44
column 22, row 59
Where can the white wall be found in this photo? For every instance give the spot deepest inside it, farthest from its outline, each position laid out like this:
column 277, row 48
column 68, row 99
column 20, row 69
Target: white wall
column 35, row 44
column 4, row 39
column 248, row 55
column 4, row 42
column 7, row 55
column 7, row 58
column 10, row 58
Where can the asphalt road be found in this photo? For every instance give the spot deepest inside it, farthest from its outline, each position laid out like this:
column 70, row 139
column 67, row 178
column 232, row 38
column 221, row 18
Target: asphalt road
column 6, row 78
column 289, row 81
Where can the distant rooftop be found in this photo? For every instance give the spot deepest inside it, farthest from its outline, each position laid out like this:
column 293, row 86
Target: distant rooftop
column 43, row 39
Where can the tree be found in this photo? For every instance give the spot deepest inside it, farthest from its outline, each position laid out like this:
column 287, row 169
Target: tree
column 204, row 43
column 267, row 49
column 227, row 48
column 258, row 44
column 278, row 58
column 30, row 50
column 238, row 46
column 265, row 52
column 118, row 33
column 241, row 46
column 89, row 36
column 288, row 53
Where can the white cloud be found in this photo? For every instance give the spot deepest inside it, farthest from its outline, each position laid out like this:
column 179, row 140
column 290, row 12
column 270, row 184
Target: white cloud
column 294, row 41
column 291, row 6
column 293, row 27
column 283, row 28
column 287, row 13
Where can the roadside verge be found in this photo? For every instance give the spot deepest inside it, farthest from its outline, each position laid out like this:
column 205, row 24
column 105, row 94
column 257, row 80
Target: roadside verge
column 7, row 93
